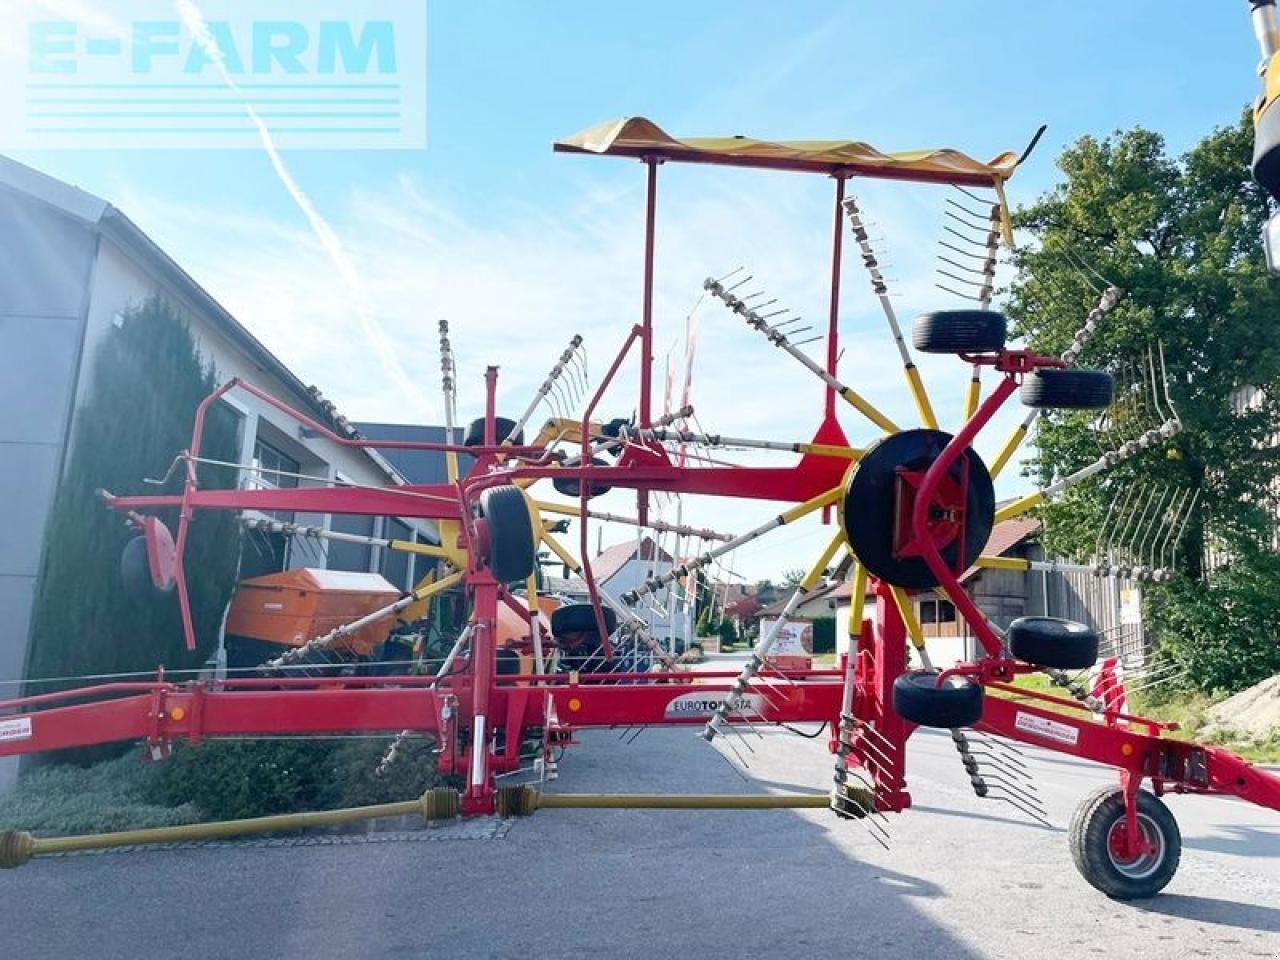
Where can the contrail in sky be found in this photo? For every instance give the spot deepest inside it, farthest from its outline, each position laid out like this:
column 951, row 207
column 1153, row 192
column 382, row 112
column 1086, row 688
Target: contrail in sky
column 195, row 23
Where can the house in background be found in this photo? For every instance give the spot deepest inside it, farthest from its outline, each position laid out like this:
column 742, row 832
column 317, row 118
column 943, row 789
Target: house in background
column 626, row 566
column 1003, row 595
column 71, row 268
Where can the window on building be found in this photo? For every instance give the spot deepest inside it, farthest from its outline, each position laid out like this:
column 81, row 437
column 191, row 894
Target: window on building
column 273, row 469
column 395, row 563
column 937, row 611
column 351, row 556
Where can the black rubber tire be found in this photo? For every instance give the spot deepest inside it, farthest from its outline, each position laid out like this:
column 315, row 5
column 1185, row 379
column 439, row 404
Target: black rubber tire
column 572, row 487
column 960, row 331
column 1089, row 839
column 474, row 436
column 512, row 548
column 581, row 618
column 135, row 571
column 918, row 699
column 868, row 510
column 1051, row 642
column 507, row 662
column 1068, row 389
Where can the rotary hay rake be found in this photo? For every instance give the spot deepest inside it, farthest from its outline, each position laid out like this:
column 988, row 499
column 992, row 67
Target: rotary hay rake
column 915, row 508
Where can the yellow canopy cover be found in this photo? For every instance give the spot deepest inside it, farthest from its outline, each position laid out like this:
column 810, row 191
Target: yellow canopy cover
column 639, row 137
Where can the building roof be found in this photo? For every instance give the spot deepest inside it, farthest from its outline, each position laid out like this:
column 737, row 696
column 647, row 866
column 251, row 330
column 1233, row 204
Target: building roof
column 608, row 562
column 101, row 216
column 417, row 466
column 1004, row 537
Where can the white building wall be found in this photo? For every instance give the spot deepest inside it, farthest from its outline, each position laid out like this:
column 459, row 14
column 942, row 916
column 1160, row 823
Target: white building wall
column 122, row 282
column 656, row 611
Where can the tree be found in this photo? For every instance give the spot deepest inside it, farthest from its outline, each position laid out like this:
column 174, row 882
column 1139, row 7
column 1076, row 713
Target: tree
column 1181, row 237
column 146, row 380
column 792, row 578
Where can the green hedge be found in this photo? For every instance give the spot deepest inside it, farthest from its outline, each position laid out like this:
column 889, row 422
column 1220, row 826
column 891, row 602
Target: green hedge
column 824, row 635
column 227, row 779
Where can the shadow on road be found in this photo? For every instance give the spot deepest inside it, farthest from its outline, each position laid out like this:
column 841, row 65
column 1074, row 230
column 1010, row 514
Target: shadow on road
column 1016, row 820
column 1228, row 913
column 1241, row 840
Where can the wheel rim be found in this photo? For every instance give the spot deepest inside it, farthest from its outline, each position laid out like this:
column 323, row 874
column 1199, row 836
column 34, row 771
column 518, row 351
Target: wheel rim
column 1143, row 865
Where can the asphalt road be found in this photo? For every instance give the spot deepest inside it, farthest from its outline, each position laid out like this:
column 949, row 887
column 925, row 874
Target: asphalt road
column 962, row 878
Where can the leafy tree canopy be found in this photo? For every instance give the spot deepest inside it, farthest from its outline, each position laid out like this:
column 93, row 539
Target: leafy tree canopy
column 1181, row 236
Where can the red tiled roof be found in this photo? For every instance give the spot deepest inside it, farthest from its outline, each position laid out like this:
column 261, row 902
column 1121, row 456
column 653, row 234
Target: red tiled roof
column 608, row 562
column 1004, row 537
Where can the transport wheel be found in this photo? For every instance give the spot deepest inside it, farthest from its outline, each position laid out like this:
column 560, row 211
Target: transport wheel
column 959, row 331
column 511, row 542
column 580, row 618
column 918, row 698
column 572, row 487
column 1050, row 642
column 871, row 511
column 135, row 570
column 1097, row 838
column 502, row 427
column 1068, row 389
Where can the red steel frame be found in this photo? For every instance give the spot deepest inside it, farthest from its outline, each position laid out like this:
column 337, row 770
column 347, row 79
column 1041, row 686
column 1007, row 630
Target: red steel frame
column 463, row 711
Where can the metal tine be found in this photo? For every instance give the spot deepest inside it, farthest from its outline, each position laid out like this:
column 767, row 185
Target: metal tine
column 751, row 296
column 983, row 226
column 870, row 786
column 984, row 749
column 1003, row 745
column 1106, row 520
column 729, row 274
column 1164, row 379
column 802, row 343
column 1078, row 266
column 962, row 207
column 961, row 266
column 1023, row 788
column 871, row 818
column 744, row 715
column 973, row 196
column 1143, row 687
column 875, row 736
column 1152, row 525
column 1171, row 524
column 961, row 252
column 636, row 736
column 975, row 243
column 878, row 756
column 958, row 279
column 1033, row 806
column 1039, row 816
column 1129, row 493
column 741, row 759
column 1123, row 536
column 738, row 733
column 1155, row 393
column 787, row 323
column 1183, row 529
column 956, row 293
column 1142, row 523
column 740, row 283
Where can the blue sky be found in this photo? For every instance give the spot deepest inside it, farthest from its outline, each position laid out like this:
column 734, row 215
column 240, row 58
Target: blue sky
column 521, row 248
